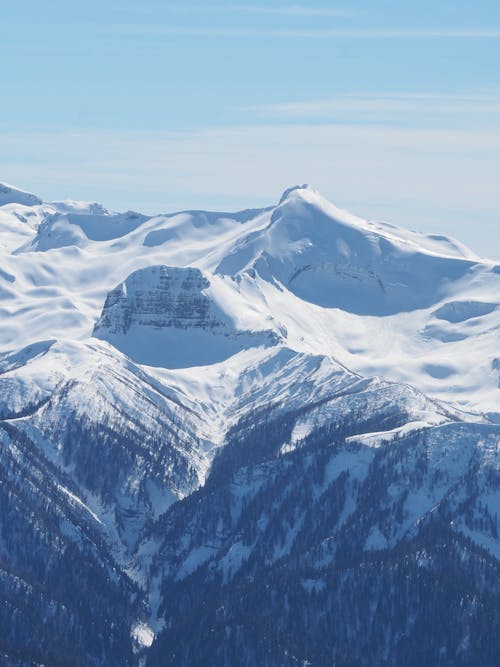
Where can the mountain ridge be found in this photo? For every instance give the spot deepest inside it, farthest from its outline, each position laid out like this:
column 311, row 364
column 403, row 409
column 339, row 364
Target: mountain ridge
column 65, row 287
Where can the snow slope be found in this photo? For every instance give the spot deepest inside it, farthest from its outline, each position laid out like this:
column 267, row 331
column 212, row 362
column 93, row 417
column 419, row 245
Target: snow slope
column 330, row 258
column 413, row 308
column 12, row 195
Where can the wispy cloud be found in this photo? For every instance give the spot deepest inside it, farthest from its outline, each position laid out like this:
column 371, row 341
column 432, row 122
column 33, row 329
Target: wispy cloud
column 304, row 33
column 294, row 10
column 204, row 8
column 383, row 107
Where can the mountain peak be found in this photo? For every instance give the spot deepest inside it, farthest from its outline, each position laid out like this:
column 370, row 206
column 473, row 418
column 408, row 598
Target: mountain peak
column 333, row 259
column 12, row 195
column 289, row 191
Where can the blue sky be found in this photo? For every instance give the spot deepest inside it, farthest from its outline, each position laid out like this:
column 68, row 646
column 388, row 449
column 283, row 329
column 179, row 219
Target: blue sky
column 391, row 109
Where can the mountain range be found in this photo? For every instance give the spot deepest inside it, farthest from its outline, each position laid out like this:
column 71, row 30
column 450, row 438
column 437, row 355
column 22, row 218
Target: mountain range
column 260, row 438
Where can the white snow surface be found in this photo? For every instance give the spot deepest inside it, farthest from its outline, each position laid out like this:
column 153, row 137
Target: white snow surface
column 9, row 194
column 143, row 634
column 305, row 275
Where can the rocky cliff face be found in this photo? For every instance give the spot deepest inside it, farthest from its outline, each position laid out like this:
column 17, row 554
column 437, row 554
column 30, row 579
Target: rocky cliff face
column 174, row 317
column 160, row 296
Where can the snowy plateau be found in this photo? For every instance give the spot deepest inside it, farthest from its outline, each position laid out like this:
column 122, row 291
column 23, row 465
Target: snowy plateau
column 265, row 438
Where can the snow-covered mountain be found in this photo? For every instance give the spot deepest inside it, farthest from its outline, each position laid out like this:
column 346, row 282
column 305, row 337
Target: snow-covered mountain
column 384, row 301
column 194, row 402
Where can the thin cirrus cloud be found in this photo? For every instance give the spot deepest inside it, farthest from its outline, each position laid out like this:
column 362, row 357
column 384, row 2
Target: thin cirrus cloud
column 305, row 33
column 205, row 8
column 294, row 10
column 384, row 106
